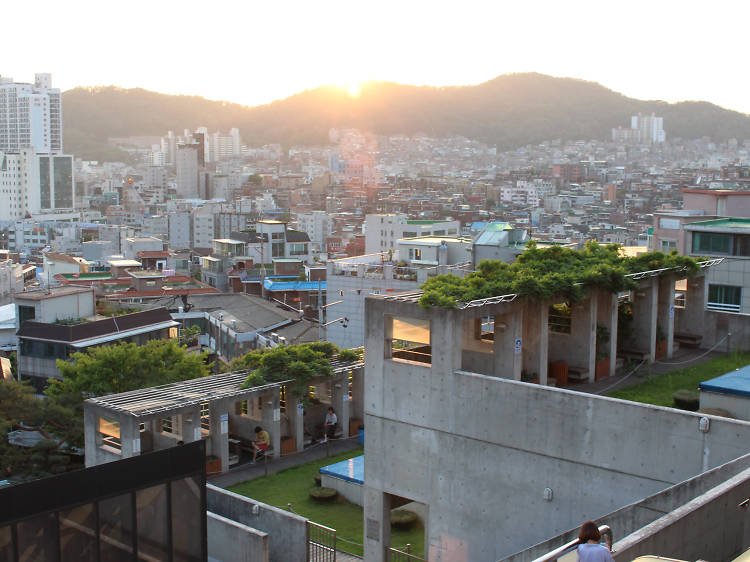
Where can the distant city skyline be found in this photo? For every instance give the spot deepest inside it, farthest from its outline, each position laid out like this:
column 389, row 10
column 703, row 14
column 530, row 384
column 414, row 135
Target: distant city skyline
column 254, row 54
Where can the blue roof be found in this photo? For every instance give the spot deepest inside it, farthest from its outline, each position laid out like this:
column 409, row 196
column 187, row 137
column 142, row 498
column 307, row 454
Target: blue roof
column 736, row 382
column 272, row 285
column 351, row 470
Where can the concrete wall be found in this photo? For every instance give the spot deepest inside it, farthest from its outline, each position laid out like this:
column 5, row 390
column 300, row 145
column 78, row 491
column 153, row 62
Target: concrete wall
column 229, row 541
column 352, row 491
column 633, row 517
column 738, row 406
column 287, row 532
column 480, row 451
column 710, row 527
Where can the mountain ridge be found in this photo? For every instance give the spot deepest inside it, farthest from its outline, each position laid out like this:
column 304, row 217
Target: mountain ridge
column 508, row 111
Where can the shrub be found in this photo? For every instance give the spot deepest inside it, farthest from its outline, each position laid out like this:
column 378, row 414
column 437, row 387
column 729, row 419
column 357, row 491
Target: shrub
column 323, row 494
column 686, row 399
column 348, row 355
column 403, row 519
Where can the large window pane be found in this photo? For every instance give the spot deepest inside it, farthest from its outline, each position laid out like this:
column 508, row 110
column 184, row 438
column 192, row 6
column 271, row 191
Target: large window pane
column 712, row 243
column 78, row 534
column 37, row 539
column 6, row 545
column 153, row 532
column 724, row 297
column 187, row 531
column 116, row 528
column 742, row 245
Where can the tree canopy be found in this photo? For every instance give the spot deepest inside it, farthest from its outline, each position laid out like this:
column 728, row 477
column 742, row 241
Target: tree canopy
column 540, row 273
column 300, row 363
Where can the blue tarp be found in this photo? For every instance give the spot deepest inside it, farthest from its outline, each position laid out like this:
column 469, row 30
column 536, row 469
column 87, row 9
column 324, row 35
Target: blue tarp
column 737, row 383
column 272, row 285
column 352, row 470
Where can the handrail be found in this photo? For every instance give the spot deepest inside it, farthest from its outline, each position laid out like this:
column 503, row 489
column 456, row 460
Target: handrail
column 604, row 530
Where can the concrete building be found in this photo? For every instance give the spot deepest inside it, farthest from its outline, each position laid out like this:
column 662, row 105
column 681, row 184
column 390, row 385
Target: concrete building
column 187, row 172
column 500, row 465
column 33, row 182
column 318, row 226
column 30, row 115
column 180, row 230
column 382, row 232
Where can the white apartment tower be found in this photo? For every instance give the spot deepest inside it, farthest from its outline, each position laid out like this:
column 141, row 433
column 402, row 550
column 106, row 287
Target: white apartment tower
column 651, row 128
column 30, row 115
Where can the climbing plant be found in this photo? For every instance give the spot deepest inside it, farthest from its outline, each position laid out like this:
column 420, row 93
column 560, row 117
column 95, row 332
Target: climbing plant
column 540, row 273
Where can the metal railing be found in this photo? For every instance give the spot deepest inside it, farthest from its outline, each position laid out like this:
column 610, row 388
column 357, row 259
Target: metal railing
column 569, row 547
column 321, row 543
column 395, row 555
column 723, row 307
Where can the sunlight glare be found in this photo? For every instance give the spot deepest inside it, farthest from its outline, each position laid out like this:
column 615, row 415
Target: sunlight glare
column 354, row 89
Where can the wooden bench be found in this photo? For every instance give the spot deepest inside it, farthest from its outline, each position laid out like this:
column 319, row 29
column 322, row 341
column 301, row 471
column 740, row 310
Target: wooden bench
column 688, row 340
column 636, row 354
column 578, row 374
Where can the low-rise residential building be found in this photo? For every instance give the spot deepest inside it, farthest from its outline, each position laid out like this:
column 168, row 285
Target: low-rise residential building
column 383, row 231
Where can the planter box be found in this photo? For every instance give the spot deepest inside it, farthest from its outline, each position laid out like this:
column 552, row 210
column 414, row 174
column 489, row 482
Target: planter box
column 602, row 368
column 288, row 445
column 354, row 427
column 213, row 466
column 559, row 371
column 661, row 349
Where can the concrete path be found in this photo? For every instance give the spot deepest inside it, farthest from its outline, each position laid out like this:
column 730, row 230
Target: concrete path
column 244, row 472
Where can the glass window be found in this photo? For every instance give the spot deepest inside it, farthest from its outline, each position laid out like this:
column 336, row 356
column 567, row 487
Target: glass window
column 711, row 242
column 78, row 534
column 668, row 245
column 37, row 538
column 116, row 528
column 277, row 250
column 153, row 531
column 724, row 297
column 187, row 534
column 742, row 245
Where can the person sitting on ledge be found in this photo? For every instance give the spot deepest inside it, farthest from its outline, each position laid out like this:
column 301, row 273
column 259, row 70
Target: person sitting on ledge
column 262, row 441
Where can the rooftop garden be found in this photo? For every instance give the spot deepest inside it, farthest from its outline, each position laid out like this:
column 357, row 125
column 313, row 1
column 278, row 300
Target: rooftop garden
column 540, row 273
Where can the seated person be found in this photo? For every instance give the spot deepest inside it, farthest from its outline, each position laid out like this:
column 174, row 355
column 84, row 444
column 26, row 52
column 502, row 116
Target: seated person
column 262, row 441
column 329, row 425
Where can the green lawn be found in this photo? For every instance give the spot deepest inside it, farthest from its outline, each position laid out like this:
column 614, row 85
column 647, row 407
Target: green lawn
column 292, row 486
column 658, row 389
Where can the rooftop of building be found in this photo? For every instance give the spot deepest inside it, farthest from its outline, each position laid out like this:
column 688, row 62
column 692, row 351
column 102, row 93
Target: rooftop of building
column 728, row 223
column 98, row 331
column 51, row 293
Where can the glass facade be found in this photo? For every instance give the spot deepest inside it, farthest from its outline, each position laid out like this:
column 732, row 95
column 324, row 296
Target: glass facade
column 44, row 182
column 63, row 182
column 149, row 507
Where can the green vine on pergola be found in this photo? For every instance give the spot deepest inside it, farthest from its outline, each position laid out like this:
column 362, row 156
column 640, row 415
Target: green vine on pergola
column 541, row 273
column 300, row 363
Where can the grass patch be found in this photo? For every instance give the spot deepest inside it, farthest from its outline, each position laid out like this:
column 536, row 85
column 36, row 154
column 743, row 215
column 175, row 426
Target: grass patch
column 658, row 389
column 292, row 485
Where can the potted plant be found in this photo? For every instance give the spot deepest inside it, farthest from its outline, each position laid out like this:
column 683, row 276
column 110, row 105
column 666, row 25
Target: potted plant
column 602, row 352
column 661, row 343
column 213, row 464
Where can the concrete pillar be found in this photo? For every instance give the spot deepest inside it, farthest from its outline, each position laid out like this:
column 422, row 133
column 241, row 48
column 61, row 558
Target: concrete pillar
column 582, row 349
column 692, row 318
column 606, row 313
column 272, row 421
column 446, row 339
column 130, row 437
column 357, row 406
column 508, row 351
column 91, row 436
column 665, row 319
column 191, row 425
column 295, row 411
column 341, row 405
column 377, row 532
column 644, row 301
column 536, row 339
column 219, row 424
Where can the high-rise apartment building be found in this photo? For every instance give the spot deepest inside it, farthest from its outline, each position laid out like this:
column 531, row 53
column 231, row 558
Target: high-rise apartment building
column 30, row 115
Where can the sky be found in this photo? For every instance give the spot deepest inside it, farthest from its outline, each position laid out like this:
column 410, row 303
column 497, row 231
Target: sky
column 253, row 52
